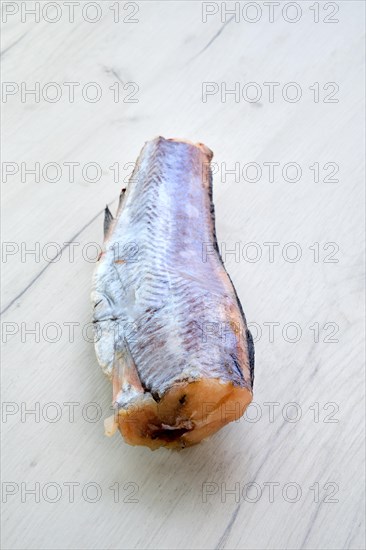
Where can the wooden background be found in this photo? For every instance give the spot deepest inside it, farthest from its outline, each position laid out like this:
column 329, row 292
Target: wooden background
column 169, row 53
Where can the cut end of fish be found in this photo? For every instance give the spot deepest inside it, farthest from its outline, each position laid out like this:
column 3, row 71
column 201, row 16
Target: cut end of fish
column 206, row 150
column 186, row 414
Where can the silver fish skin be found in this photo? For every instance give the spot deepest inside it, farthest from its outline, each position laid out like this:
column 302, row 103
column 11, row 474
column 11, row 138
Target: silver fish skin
column 164, row 306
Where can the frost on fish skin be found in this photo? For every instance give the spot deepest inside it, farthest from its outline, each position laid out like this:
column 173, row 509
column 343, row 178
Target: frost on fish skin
column 169, row 324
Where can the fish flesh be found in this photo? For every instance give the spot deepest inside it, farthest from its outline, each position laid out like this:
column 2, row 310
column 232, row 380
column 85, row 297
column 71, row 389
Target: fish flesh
column 170, row 331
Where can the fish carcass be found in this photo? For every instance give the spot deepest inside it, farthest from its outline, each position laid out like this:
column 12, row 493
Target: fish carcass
column 170, row 330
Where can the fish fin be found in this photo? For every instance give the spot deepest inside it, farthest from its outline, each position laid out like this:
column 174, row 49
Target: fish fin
column 121, row 197
column 126, row 380
column 108, row 219
column 110, row 425
column 251, row 355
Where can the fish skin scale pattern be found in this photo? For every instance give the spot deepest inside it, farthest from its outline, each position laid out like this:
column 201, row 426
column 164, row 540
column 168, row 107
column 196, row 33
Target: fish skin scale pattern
column 181, row 307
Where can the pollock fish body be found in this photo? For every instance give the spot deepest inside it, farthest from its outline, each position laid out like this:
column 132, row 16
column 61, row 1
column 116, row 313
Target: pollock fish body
column 170, row 330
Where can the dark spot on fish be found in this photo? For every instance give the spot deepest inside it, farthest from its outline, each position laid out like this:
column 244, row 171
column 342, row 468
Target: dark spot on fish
column 104, row 319
column 251, row 354
column 182, row 400
column 156, row 397
column 237, row 367
column 168, row 435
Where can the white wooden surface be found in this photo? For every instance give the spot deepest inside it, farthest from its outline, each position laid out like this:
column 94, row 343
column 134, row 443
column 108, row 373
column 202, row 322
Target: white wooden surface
column 166, row 55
